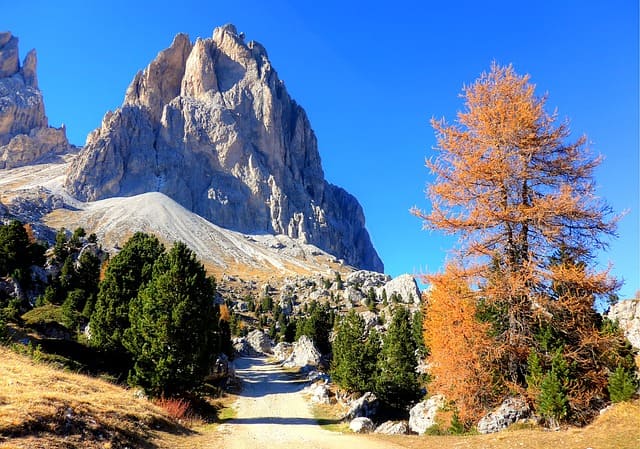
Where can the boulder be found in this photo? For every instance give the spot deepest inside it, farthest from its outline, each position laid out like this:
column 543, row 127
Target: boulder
column 366, row 279
column 365, row 406
column 319, row 393
column 404, row 285
column 304, row 353
column 510, row 411
column 423, row 414
column 260, row 342
column 361, row 425
column 242, row 347
column 282, row 351
column 393, row 428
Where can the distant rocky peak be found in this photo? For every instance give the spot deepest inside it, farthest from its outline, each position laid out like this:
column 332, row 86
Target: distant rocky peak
column 10, row 62
column 24, row 132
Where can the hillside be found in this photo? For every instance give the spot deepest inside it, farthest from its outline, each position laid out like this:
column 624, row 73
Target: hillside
column 41, row 406
column 35, row 193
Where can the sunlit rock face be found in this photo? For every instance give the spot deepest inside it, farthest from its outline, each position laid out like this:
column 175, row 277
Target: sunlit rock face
column 211, row 125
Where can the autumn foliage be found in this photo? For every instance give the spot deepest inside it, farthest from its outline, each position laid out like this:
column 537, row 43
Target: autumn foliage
column 460, row 345
column 522, row 201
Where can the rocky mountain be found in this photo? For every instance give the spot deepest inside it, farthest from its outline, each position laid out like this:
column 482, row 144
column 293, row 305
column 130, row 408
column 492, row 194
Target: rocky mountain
column 210, row 125
column 25, row 136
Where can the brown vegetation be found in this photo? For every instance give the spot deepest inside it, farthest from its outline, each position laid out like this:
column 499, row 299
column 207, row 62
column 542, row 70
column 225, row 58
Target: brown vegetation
column 41, row 406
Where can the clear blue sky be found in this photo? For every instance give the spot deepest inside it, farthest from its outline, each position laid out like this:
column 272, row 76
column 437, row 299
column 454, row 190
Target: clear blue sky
column 370, row 76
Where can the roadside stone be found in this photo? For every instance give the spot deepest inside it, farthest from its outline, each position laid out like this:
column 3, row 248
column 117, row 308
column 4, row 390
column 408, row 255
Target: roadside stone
column 365, row 406
column 423, row 414
column 361, row 425
column 393, row 428
column 510, row 411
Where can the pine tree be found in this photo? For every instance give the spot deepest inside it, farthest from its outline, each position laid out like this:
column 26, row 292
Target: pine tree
column 126, row 273
column 354, row 355
column 552, row 402
column 623, row 384
column 174, row 326
column 397, row 381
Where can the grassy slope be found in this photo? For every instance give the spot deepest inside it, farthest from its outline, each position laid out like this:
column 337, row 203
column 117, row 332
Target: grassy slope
column 41, row 406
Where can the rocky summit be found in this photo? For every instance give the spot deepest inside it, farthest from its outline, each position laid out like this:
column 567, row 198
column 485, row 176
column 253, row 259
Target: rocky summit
column 25, row 136
column 211, row 125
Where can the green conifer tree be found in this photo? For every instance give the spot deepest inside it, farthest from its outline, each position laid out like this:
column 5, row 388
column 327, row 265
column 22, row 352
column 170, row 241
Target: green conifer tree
column 174, row 326
column 397, row 382
column 623, row 384
column 126, row 273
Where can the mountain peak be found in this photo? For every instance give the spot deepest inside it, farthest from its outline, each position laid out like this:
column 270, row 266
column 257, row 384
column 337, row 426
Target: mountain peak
column 211, row 125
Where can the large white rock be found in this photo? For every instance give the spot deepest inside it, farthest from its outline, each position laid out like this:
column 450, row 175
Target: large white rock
column 304, row 353
column 393, row 428
column 404, row 285
column 217, row 110
column 510, row 411
column 627, row 314
column 361, row 425
column 260, row 342
column 423, row 414
column 282, row 351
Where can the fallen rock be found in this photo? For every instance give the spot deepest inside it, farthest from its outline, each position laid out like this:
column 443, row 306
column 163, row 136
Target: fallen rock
column 361, row 425
column 282, row 351
column 365, row 406
column 365, row 279
column 304, row 353
column 509, row 412
column 260, row 342
column 319, row 393
column 423, row 414
column 393, row 428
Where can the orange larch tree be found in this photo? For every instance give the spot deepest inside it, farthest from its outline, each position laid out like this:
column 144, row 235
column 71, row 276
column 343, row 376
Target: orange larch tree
column 516, row 193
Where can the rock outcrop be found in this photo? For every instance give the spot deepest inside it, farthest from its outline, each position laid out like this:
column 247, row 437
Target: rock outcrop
column 393, row 428
column 510, row 411
column 627, row 314
column 303, row 354
column 212, row 126
column 25, row 136
column 423, row 414
column 404, row 286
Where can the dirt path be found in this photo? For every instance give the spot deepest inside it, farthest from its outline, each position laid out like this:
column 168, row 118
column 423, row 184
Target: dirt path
column 273, row 413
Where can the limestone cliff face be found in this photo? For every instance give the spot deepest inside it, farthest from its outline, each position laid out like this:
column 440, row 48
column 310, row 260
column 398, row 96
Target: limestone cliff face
column 25, row 136
column 211, row 125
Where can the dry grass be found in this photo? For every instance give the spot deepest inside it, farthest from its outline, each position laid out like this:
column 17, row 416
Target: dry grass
column 618, row 428
column 41, row 406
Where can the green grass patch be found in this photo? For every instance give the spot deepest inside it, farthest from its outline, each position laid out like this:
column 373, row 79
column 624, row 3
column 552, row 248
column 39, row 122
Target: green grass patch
column 327, row 418
column 49, row 313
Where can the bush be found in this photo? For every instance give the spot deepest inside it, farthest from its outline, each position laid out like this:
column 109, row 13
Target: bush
column 623, row 384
